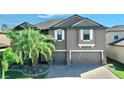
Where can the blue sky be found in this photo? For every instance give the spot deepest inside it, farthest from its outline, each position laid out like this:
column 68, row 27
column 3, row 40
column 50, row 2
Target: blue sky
column 14, row 19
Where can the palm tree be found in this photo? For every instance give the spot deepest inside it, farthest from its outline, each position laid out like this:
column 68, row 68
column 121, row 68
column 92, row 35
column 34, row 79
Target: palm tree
column 14, row 39
column 33, row 43
column 9, row 57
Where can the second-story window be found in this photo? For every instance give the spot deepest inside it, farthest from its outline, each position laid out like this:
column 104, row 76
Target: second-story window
column 59, row 34
column 86, row 34
column 115, row 36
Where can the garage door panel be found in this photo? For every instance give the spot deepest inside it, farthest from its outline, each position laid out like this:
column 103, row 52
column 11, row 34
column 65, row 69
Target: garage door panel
column 86, row 58
column 59, row 58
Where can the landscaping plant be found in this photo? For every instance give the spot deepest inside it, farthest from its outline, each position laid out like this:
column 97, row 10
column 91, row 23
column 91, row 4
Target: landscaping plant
column 9, row 57
column 32, row 43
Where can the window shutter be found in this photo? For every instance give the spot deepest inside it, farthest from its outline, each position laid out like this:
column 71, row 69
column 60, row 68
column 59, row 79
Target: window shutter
column 81, row 34
column 55, row 34
column 91, row 34
column 63, row 34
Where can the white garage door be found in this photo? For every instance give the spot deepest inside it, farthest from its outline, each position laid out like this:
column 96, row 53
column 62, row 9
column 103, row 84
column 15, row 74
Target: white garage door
column 86, row 58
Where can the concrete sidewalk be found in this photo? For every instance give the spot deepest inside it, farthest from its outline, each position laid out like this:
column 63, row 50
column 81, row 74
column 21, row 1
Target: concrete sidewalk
column 99, row 73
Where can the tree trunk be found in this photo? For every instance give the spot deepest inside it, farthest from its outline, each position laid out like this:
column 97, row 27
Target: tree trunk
column 3, row 73
column 34, row 62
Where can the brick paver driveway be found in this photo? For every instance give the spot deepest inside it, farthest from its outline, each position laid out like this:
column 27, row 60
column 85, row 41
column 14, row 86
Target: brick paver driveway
column 78, row 70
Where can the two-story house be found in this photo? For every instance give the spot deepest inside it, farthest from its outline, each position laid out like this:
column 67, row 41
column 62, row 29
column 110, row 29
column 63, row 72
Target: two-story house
column 78, row 40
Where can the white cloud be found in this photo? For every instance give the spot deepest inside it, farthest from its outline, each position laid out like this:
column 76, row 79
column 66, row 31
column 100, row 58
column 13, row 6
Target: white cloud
column 46, row 15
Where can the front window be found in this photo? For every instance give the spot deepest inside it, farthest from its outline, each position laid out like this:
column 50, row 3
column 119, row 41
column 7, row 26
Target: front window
column 86, row 34
column 116, row 36
column 59, row 34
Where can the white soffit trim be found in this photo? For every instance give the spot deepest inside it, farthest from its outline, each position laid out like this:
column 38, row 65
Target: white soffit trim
column 88, row 51
column 84, row 20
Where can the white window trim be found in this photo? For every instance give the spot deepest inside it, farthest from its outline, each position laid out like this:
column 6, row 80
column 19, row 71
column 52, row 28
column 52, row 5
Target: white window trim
column 59, row 40
column 55, row 34
column 86, row 40
column 83, row 45
column 63, row 34
column 82, row 38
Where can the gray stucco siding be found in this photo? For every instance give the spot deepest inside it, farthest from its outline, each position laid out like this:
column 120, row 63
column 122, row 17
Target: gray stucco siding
column 71, row 42
column 60, row 45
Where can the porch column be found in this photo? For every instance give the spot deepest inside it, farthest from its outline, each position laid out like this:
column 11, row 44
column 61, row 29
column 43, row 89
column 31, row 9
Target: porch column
column 68, row 58
column 104, row 62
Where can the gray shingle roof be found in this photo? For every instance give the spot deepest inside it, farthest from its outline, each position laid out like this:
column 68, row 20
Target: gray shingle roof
column 78, row 21
column 24, row 25
column 69, row 21
column 116, row 28
column 48, row 24
column 87, row 22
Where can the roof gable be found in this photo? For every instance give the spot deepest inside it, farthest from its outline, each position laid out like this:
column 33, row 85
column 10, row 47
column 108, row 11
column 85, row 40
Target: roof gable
column 69, row 21
column 24, row 25
column 86, row 22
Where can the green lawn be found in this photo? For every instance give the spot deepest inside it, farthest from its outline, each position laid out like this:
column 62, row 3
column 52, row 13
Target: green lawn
column 116, row 67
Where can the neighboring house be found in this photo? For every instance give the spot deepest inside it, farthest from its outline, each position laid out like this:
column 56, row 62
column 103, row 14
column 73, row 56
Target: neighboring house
column 114, row 33
column 24, row 25
column 116, row 50
column 78, row 39
column 115, row 43
column 4, row 40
